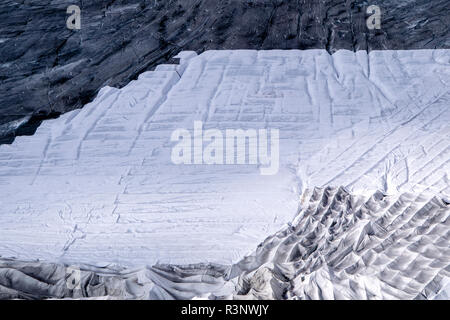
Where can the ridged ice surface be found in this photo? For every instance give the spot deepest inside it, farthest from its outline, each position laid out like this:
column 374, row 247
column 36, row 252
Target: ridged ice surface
column 343, row 246
column 97, row 186
column 340, row 246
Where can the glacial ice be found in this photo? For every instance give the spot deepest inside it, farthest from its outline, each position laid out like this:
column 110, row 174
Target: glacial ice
column 97, row 185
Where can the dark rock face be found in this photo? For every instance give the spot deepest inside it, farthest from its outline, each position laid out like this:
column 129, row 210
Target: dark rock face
column 47, row 69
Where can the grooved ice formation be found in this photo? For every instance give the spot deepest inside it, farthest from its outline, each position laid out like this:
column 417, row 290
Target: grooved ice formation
column 343, row 246
column 98, row 186
column 340, row 246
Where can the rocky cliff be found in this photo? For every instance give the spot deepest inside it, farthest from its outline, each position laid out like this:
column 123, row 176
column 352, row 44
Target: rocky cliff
column 47, row 69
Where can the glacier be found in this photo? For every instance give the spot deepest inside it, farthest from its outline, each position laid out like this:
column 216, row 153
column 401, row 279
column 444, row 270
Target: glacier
column 96, row 187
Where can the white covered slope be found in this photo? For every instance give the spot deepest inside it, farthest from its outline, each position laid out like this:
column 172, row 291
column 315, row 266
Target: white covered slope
column 340, row 246
column 97, row 186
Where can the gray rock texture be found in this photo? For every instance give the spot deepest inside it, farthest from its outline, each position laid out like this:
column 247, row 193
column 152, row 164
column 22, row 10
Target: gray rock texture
column 47, row 69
